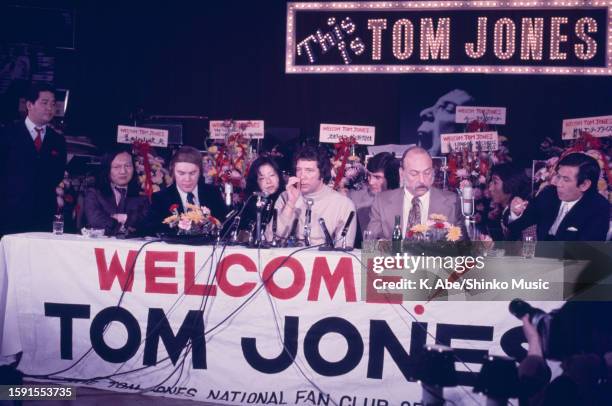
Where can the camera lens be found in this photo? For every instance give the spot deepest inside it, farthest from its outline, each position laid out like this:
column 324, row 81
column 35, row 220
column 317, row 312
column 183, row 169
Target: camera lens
column 520, row 308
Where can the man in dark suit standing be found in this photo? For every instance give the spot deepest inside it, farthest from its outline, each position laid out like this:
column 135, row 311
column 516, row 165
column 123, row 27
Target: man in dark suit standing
column 32, row 164
column 571, row 209
column 188, row 187
column 415, row 201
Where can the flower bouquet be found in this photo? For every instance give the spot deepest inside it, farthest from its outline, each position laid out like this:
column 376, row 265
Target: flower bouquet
column 437, row 228
column 195, row 225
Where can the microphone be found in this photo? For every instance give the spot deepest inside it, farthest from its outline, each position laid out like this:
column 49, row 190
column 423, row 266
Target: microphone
column 261, row 194
column 328, row 238
column 274, row 221
column 467, row 201
column 231, row 214
column 309, row 203
column 274, row 226
column 349, row 220
column 292, row 239
column 227, row 191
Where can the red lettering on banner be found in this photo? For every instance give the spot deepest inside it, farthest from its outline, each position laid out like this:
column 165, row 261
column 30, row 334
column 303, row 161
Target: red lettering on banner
column 191, row 288
column 107, row 275
column 343, row 272
column 222, row 268
column 299, row 277
column 152, row 272
column 372, row 296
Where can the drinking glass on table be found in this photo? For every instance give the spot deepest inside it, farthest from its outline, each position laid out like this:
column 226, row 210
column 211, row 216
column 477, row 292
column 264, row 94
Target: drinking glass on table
column 58, row 224
column 369, row 242
column 529, row 246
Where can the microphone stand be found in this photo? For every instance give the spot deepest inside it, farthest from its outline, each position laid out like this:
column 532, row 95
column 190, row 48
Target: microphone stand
column 309, row 203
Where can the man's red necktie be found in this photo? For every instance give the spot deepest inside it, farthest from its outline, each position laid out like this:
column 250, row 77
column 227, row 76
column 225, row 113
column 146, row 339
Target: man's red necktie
column 38, row 139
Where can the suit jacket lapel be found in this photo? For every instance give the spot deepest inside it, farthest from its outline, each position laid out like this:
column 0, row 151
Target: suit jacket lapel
column 580, row 207
column 26, row 139
column 175, row 197
column 395, row 203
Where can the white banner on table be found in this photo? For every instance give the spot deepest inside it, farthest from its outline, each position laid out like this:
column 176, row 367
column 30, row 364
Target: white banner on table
column 253, row 129
column 485, row 141
column 311, row 308
column 600, row 126
column 364, row 135
column 152, row 136
column 489, row 115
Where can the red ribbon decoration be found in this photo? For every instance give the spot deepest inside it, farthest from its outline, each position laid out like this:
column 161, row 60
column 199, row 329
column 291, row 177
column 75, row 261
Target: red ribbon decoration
column 343, row 149
column 143, row 149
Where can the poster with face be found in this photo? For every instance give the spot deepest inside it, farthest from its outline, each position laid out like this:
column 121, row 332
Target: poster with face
column 535, row 107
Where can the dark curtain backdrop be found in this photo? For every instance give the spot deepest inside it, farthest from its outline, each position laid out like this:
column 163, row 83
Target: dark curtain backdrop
column 225, row 59
column 221, row 59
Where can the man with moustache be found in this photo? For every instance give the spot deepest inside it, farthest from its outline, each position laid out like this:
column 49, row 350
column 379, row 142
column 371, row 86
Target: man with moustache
column 32, row 164
column 415, row 201
column 312, row 172
column 188, row 188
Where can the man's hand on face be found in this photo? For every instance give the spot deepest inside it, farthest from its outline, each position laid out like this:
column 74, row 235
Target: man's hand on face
column 293, row 190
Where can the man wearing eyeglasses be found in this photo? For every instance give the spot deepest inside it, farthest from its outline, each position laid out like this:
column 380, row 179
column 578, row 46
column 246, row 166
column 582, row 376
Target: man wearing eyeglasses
column 415, row 201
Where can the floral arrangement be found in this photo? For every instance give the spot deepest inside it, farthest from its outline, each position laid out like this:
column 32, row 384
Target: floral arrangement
column 197, row 220
column 472, row 168
column 598, row 148
column 159, row 175
column 437, row 228
column 343, row 161
column 230, row 161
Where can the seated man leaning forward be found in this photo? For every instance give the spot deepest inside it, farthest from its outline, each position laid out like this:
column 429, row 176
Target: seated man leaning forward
column 312, row 172
column 188, row 188
column 415, row 201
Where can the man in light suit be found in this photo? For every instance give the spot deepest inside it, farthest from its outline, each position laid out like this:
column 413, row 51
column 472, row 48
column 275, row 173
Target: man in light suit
column 414, row 202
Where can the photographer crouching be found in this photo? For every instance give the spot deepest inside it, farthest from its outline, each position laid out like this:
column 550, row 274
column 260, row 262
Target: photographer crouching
column 579, row 334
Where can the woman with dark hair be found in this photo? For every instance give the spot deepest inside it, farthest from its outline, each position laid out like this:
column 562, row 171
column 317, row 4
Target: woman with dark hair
column 383, row 174
column 507, row 181
column 265, row 179
column 115, row 204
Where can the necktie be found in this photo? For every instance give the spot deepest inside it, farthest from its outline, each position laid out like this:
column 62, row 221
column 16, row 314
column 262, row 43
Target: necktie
column 122, row 200
column 190, row 198
column 414, row 216
column 562, row 212
column 38, row 139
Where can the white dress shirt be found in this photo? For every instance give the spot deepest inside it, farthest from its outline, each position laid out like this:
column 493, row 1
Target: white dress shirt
column 408, row 205
column 31, row 128
column 563, row 210
column 184, row 197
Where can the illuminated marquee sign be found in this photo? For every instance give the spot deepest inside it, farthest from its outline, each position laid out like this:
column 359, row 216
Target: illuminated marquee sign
column 514, row 37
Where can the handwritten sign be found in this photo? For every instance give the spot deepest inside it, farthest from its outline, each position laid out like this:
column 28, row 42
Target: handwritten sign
column 489, row 115
column 152, row 136
column 596, row 126
column 333, row 132
column 253, row 129
column 483, row 141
